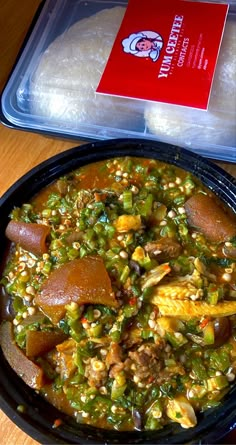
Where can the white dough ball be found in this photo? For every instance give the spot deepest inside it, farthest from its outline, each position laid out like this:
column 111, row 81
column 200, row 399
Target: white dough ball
column 198, row 128
column 63, row 88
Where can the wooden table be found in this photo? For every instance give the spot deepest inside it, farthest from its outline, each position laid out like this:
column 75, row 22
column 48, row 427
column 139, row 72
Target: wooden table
column 20, row 151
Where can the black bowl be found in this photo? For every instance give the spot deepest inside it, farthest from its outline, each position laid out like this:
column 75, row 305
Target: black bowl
column 38, row 417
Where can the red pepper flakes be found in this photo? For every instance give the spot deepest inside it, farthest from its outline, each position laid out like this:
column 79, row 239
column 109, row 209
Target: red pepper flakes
column 57, row 423
column 133, row 301
column 203, row 323
column 151, row 379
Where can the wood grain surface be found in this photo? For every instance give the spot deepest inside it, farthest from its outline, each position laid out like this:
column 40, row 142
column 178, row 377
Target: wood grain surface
column 20, row 151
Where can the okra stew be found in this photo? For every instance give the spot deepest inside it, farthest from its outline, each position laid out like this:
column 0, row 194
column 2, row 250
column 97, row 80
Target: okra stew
column 119, row 295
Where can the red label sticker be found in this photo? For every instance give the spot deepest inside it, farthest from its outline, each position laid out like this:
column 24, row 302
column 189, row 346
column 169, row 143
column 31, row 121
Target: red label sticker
column 166, row 51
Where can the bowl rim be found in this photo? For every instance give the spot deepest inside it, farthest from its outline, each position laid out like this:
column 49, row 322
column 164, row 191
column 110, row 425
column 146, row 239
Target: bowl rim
column 216, row 179
column 98, row 150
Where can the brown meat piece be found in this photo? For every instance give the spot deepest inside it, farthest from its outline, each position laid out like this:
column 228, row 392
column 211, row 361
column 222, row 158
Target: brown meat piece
column 25, row 368
column 114, row 354
column 116, row 369
column 84, row 281
column 40, row 342
column 163, row 249
column 204, row 214
column 144, row 363
column 30, row 236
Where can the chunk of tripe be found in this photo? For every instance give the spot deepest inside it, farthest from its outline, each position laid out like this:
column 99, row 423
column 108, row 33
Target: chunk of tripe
column 83, row 281
column 30, row 236
column 25, row 368
column 40, row 342
column 204, row 214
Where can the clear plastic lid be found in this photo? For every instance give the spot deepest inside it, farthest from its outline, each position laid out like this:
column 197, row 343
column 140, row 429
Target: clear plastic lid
column 52, row 88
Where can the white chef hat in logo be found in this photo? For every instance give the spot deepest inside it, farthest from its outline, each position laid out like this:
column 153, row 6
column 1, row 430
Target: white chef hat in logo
column 130, row 43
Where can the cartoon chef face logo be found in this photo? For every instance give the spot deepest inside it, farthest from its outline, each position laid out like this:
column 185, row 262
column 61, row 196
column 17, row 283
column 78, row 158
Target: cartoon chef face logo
column 144, row 44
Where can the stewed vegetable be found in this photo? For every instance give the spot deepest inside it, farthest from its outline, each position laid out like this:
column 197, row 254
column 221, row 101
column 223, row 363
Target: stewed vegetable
column 119, row 295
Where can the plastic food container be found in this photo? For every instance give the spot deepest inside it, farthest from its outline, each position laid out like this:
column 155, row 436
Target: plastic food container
column 52, row 88
column 38, row 416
